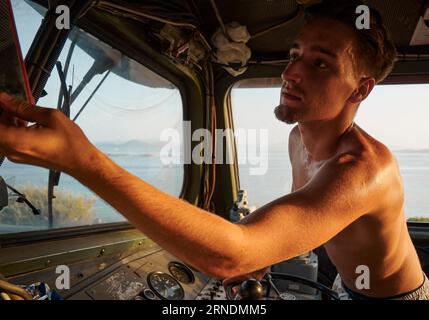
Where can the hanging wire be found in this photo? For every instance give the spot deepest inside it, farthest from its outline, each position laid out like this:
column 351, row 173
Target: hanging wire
column 108, row 5
column 214, row 140
column 218, row 16
column 210, row 175
column 155, row 105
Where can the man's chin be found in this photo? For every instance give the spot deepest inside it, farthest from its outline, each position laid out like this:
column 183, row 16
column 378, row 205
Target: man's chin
column 285, row 114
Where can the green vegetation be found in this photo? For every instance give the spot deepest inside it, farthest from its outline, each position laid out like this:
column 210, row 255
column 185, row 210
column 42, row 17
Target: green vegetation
column 69, row 209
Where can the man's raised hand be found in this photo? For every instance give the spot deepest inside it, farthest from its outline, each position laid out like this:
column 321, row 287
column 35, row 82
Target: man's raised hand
column 52, row 141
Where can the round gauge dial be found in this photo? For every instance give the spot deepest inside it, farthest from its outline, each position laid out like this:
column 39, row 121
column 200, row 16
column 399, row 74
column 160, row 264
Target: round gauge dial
column 165, row 286
column 181, row 272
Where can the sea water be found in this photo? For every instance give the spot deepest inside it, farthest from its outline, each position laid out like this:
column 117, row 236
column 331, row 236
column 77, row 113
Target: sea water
column 261, row 189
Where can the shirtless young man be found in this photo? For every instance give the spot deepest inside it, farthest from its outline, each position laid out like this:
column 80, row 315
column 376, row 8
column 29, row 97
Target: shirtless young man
column 347, row 191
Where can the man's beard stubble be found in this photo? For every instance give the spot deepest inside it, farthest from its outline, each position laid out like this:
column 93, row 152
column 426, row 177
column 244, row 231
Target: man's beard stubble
column 285, row 114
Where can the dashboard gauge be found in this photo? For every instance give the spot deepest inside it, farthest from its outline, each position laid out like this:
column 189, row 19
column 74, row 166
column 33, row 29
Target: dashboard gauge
column 165, row 286
column 181, row 272
column 148, row 294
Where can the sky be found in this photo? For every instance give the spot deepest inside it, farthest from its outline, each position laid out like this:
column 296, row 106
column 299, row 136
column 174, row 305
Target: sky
column 396, row 115
column 121, row 110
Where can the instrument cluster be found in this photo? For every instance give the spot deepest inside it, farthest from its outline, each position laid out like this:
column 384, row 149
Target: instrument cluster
column 168, row 286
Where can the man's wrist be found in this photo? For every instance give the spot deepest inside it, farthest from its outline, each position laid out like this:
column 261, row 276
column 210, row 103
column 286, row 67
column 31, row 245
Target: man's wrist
column 87, row 163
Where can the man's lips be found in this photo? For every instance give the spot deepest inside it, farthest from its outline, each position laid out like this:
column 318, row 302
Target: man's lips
column 290, row 95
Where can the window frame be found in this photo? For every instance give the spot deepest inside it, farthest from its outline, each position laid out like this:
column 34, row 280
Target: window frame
column 396, row 78
column 185, row 83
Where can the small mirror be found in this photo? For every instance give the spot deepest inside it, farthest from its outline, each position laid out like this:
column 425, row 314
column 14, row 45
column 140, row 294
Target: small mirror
column 4, row 197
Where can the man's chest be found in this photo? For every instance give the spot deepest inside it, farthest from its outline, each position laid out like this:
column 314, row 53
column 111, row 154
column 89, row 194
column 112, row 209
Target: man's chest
column 303, row 170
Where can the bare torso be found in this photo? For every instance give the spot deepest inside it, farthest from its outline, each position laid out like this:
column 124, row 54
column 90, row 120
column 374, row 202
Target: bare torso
column 378, row 240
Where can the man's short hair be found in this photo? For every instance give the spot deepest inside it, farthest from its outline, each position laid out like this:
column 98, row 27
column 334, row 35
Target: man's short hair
column 375, row 52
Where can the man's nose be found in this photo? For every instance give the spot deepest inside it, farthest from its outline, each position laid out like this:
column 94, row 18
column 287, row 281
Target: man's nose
column 291, row 73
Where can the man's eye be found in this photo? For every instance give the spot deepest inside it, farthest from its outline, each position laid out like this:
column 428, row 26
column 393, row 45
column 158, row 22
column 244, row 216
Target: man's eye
column 321, row 64
column 293, row 57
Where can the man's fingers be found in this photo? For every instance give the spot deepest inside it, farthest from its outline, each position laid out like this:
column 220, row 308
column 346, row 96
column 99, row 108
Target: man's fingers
column 21, row 123
column 234, row 280
column 258, row 275
column 24, row 110
column 8, row 119
column 8, row 135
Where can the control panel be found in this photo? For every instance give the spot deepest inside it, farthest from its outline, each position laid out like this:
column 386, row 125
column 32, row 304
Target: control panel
column 158, row 276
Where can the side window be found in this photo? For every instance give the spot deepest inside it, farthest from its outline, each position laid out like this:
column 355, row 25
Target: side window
column 396, row 115
column 123, row 108
column 262, row 143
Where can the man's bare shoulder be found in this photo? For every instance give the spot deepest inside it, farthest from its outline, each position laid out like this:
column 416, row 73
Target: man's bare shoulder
column 376, row 163
column 366, row 148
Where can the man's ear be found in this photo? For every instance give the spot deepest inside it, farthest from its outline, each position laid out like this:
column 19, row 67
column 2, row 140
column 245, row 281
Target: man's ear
column 365, row 87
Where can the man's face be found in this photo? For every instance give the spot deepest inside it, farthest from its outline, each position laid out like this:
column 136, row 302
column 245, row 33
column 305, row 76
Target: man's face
column 321, row 76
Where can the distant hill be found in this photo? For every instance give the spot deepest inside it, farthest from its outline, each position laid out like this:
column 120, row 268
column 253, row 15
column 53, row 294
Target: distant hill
column 141, row 147
column 129, row 147
column 411, row 150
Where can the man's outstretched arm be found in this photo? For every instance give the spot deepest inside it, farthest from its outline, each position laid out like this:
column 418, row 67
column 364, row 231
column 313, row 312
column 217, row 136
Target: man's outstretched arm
column 280, row 230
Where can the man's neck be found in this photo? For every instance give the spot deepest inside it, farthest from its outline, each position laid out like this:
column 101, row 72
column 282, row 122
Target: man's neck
column 321, row 139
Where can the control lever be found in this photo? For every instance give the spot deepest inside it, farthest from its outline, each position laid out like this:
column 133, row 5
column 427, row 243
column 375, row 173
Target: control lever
column 240, row 209
column 272, row 285
column 251, row 289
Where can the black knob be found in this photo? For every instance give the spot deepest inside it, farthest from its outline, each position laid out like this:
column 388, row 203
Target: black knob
column 251, row 289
